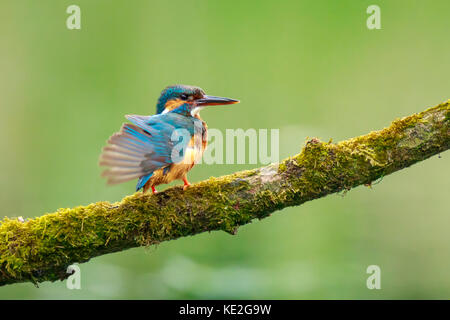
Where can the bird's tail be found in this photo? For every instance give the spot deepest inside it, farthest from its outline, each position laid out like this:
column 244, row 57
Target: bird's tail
column 125, row 154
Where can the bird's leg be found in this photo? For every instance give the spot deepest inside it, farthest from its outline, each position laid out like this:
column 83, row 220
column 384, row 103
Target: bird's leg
column 147, row 186
column 186, row 183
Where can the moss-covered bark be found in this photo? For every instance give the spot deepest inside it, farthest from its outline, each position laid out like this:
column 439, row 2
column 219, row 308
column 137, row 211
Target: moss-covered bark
column 41, row 249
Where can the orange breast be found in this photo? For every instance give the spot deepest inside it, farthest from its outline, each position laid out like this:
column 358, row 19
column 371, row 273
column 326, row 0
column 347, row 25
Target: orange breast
column 193, row 154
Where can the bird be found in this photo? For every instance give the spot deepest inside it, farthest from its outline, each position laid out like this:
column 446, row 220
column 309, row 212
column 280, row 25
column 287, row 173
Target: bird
column 161, row 148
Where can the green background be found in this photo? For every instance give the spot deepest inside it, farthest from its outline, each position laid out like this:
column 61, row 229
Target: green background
column 308, row 68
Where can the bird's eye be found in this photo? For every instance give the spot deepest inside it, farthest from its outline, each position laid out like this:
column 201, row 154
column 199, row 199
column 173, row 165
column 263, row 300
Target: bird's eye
column 184, row 96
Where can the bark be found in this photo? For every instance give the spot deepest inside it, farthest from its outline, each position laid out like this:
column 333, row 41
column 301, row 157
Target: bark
column 42, row 248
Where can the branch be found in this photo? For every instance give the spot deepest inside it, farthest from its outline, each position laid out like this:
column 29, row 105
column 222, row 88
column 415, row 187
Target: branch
column 41, row 249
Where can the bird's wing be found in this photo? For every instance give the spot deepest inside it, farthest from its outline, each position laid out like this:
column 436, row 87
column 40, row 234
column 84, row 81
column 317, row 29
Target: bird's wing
column 150, row 143
column 163, row 122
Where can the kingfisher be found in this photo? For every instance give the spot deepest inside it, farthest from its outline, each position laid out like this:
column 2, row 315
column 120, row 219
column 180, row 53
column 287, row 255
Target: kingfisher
column 163, row 147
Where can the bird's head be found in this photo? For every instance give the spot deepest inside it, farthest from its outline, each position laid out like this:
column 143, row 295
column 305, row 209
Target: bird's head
column 193, row 98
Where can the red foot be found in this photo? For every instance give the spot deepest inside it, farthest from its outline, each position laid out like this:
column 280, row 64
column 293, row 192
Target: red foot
column 186, row 183
column 154, row 190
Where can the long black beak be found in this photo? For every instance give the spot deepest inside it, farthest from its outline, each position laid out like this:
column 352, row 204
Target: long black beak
column 214, row 101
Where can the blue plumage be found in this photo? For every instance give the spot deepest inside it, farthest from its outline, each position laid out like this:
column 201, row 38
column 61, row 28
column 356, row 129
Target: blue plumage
column 142, row 181
column 173, row 92
column 150, row 143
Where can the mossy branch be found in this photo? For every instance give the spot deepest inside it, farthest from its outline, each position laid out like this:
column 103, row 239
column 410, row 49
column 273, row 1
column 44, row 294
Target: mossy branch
column 41, row 249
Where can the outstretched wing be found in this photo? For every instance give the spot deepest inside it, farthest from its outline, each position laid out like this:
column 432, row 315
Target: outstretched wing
column 141, row 148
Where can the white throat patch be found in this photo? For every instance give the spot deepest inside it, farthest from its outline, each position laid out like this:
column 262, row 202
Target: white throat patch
column 196, row 111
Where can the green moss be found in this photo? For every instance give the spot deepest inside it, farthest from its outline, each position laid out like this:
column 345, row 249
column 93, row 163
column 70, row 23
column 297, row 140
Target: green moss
column 282, row 167
column 40, row 249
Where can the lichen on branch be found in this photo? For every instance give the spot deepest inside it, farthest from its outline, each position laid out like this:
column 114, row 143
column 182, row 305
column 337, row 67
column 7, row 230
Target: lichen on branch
column 42, row 248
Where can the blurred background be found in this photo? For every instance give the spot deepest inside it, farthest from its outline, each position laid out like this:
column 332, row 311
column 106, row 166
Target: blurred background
column 308, row 68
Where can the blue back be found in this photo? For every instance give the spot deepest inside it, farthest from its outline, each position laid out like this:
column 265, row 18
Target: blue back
column 162, row 128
